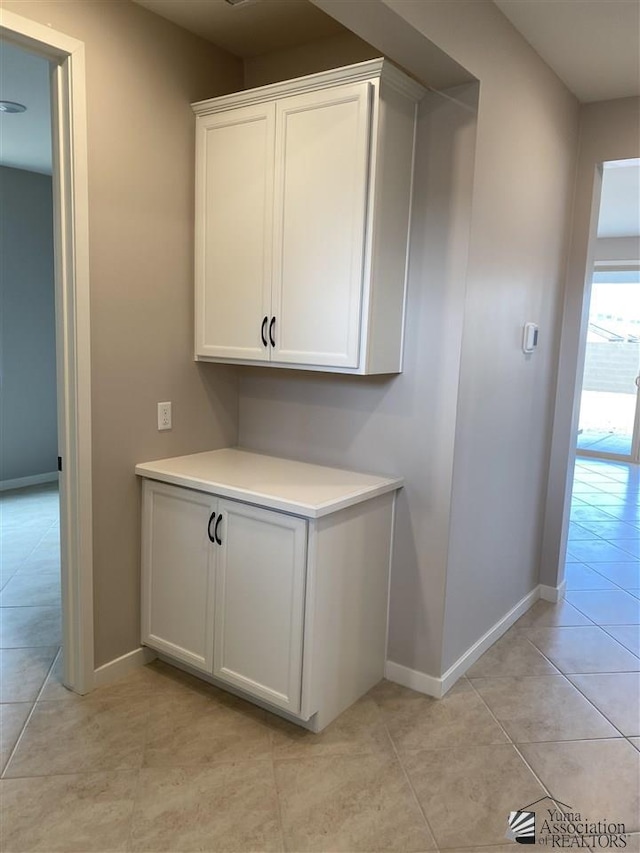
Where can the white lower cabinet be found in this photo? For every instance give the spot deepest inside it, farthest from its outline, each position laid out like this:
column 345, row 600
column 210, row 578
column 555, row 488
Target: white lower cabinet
column 178, row 574
column 259, row 609
column 285, row 608
column 223, row 589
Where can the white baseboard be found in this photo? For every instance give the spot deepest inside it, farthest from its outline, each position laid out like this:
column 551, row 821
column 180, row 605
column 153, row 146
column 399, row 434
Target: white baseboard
column 553, row 593
column 23, row 482
column 494, row 633
column 418, row 681
column 118, row 668
column 437, row 687
column 412, row 678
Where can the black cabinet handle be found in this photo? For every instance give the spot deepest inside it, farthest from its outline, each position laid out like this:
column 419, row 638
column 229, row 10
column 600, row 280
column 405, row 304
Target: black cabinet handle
column 272, row 326
column 212, row 537
column 217, row 539
column 263, row 331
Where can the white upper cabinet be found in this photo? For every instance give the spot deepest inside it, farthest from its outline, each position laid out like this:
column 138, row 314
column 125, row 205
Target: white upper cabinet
column 321, row 204
column 303, row 197
column 234, row 231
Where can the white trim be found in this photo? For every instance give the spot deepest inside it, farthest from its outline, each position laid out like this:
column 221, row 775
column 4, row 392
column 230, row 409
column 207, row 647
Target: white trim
column 553, row 593
column 606, row 457
column 23, row 482
column 73, row 352
column 437, row 687
column 419, row 681
column 119, row 667
column 36, row 37
column 370, row 69
column 394, row 515
column 627, row 265
column 494, row 633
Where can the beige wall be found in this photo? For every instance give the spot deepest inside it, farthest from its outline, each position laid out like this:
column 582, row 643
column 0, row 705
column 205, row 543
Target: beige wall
column 28, row 416
column 401, row 424
column 468, row 422
column 142, row 74
column 318, row 55
column 609, row 130
column 525, row 155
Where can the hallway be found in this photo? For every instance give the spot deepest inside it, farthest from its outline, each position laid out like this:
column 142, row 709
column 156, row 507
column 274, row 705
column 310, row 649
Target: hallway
column 161, row 761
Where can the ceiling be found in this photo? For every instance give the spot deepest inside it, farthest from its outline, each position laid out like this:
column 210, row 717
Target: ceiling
column 251, row 28
column 592, row 45
column 25, row 138
column 620, row 200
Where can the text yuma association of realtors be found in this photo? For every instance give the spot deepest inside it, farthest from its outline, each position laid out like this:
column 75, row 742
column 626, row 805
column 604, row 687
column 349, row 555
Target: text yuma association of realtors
column 570, row 830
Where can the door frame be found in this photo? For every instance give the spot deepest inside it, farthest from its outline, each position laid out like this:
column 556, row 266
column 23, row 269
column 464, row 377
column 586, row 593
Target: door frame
column 73, row 353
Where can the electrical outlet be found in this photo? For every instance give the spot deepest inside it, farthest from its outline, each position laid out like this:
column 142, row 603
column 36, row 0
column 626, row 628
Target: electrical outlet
column 164, row 415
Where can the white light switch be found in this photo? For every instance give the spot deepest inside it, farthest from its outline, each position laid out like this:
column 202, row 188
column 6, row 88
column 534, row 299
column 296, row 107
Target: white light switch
column 164, row 415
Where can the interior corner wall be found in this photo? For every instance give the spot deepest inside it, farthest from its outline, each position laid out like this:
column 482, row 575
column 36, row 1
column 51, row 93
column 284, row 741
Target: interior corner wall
column 526, row 146
column 142, row 73
column 609, row 130
column 28, row 415
column 524, row 172
column 397, row 424
column 522, row 202
column 525, row 166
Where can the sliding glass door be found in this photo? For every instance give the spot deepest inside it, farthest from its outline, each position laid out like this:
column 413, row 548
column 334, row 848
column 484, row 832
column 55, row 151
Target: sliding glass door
column 609, row 424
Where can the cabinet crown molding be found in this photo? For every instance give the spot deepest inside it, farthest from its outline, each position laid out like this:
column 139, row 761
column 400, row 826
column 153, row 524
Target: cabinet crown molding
column 372, row 69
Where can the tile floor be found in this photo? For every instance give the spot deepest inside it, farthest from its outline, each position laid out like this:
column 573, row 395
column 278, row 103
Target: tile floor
column 602, row 442
column 163, row 762
column 30, row 632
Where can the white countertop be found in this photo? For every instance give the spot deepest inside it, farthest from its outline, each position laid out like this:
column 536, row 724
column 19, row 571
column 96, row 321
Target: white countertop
column 296, row 487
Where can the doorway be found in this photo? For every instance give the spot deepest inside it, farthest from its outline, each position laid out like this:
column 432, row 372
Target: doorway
column 609, row 425
column 30, row 601
column 609, row 419
column 65, row 56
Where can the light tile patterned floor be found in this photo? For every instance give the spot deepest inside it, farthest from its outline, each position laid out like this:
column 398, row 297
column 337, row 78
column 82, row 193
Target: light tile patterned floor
column 30, row 631
column 163, row 762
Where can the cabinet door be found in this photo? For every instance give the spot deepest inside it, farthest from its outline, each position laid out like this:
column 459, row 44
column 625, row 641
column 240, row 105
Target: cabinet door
column 322, row 159
column 178, row 573
column 234, row 214
column 260, row 603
